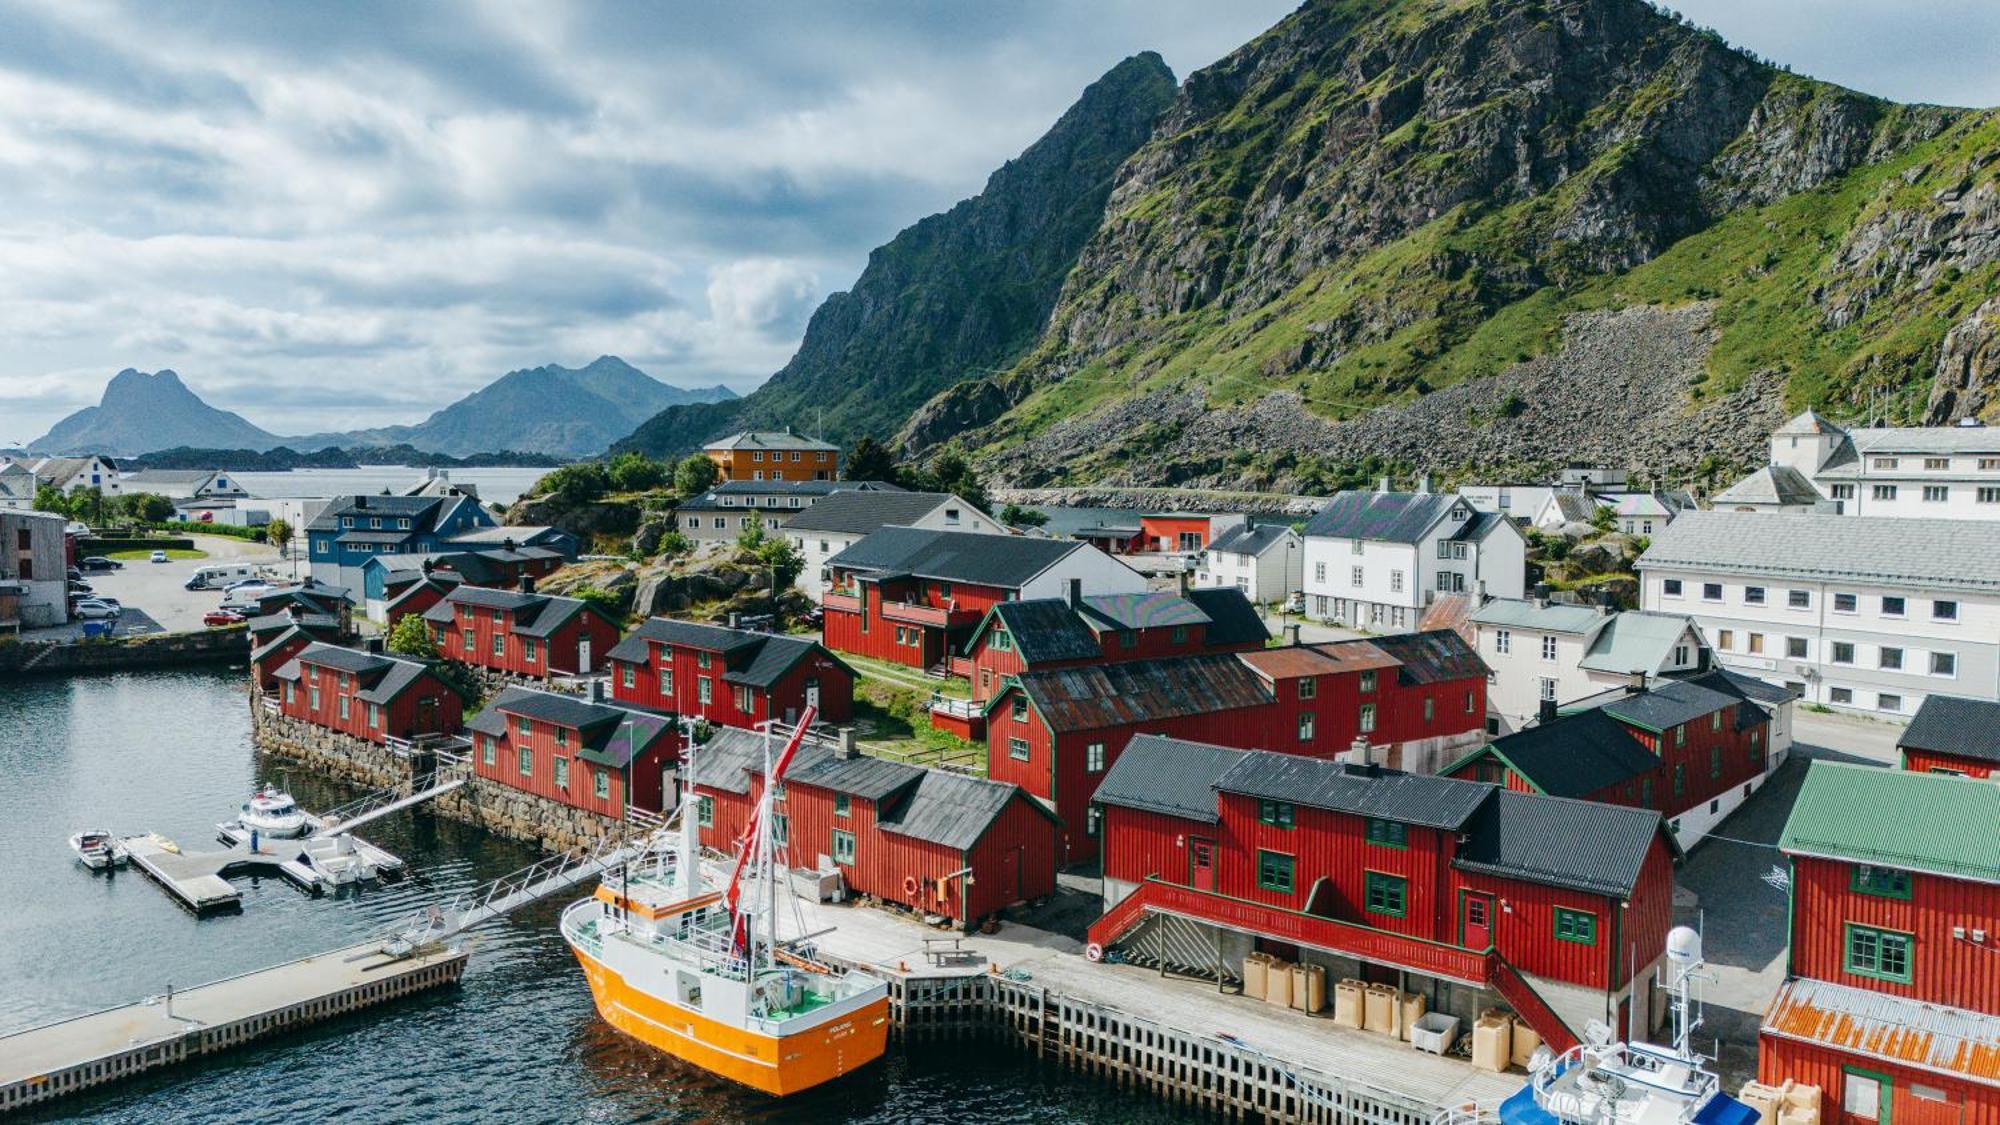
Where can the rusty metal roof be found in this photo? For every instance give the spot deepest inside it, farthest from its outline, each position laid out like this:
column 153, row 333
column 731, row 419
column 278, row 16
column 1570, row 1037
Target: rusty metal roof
column 1294, row 661
column 1954, row 1041
column 1142, row 691
column 1433, row 657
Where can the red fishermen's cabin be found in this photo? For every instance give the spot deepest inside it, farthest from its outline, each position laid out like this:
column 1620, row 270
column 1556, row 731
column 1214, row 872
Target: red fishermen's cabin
column 521, row 633
column 1693, row 749
column 414, row 592
column 941, row 844
column 580, row 752
column 1044, row 633
column 276, row 638
column 732, row 677
column 1464, row 893
column 367, row 695
column 913, row 596
column 1953, row 735
column 1891, row 1004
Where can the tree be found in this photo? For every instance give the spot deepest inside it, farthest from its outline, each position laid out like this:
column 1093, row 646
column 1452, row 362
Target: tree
column 278, row 534
column 1014, row 515
column 575, row 484
column 632, row 471
column 48, row 498
column 752, row 537
column 673, row 544
column 604, row 600
column 87, row 504
column 784, row 560
column 147, row 507
column 694, row 475
column 412, row 637
column 951, row 471
column 871, row 460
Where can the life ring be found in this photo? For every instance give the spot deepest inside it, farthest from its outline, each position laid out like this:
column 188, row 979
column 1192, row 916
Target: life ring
column 1093, row 952
column 909, row 884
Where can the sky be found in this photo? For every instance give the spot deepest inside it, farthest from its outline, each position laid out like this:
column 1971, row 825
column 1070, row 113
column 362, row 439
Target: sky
column 334, row 216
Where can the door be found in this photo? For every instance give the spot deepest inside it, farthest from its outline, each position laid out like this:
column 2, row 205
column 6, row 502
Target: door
column 1864, row 1097
column 582, row 655
column 812, row 693
column 427, row 715
column 1201, row 863
column 1475, row 920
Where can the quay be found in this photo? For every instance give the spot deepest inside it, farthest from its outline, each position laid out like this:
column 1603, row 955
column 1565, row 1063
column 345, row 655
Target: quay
column 44, row 1063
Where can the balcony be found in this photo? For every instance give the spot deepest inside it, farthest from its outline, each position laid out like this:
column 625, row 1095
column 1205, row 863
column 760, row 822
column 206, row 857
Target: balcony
column 843, row 603
column 936, row 617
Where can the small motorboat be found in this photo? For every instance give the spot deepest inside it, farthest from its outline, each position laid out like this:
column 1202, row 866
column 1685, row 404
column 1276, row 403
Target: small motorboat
column 338, row 861
column 97, row 850
column 272, row 813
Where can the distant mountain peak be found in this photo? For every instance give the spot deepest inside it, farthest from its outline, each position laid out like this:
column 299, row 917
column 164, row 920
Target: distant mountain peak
column 141, row 411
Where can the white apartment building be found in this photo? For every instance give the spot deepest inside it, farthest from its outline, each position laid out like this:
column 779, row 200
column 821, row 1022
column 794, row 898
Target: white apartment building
column 1863, row 614
column 842, row 519
column 1540, row 651
column 1375, row 560
column 1915, row 472
column 1266, row 561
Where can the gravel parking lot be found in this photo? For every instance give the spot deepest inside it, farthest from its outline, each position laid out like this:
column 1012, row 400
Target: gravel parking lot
column 154, row 595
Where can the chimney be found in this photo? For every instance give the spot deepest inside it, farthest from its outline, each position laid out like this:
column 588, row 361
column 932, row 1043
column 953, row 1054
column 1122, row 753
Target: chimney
column 527, row 583
column 594, row 690
column 1075, row 593
column 1382, row 484
column 374, row 645
column 1478, row 592
column 507, row 544
column 1424, row 484
column 1540, row 595
column 1292, row 632
column 430, row 565
column 733, row 619
column 1547, row 713
column 293, row 610
column 360, row 501
column 1638, row 683
column 1184, row 579
column 845, row 749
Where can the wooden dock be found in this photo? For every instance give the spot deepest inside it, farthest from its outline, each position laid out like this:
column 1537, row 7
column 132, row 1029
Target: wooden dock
column 198, row 880
column 57, row 1059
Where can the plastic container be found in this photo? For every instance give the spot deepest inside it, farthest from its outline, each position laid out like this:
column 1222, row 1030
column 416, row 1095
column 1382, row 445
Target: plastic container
column 1278, row 984
column 1492, row 1042
column 1435, row 1033
column 1379, row 1009
column 1414, row 1006
column 1347, row 1003
column 1309, row 987
column 1256, row 975
column 1526, row 1042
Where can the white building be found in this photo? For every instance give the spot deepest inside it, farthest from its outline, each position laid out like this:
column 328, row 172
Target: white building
column 1266, row 561
column 1865, row 614
column 1923, row 472
column 842, row 519
column 1540, row 651
column 1521, row 501
column 74, row 474
column 184, row 484
column 17, row 487
column 1374, row 560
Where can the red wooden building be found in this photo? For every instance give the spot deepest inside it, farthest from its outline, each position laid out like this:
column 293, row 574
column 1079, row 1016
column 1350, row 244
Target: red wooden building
column 1183, row 533
column 732, row 677
column 521, row 633
column 914, row 596
column 415, row 593
column 1891, row 1004
column 578, row 751
column 1045, row 633
column 277, row 637
column 1953, row 735
column 1693, row 749
column 367, row 695
column 935, row 842
column 1463, row 892
column 1055, row 733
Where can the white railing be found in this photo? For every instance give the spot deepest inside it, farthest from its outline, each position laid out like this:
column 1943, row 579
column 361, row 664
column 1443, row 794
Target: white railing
column 956, row 708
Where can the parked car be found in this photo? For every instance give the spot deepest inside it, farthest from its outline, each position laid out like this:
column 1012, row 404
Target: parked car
column 75, row 575
column 215, row 617
column 247, row 591
column 99, row 562
column 78, row 587
column 159, row 556
column 92, row 609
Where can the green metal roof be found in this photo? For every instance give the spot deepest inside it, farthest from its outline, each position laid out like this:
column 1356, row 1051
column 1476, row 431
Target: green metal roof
column 1897, row 818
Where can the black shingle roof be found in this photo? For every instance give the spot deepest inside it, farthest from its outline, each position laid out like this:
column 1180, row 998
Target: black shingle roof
column 1575, row 756
column 611, row 733
column 1168, row 775
column 756, row 659
column 954, row 810
column 1952, row 724
column 1007, row 561
column 1396, row 517
column 1232, row 619
column 694, row 634
column 1582, row 845
column 1678, row 701
column 1432, row 802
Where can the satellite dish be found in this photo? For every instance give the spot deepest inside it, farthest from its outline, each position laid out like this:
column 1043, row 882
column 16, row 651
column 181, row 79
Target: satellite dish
column 1683, row 946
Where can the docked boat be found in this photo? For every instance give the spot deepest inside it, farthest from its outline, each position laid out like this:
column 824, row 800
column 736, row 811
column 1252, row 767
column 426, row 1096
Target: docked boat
column 692, row 965
column 97, row 850
column 273, row 813
column 338, row 860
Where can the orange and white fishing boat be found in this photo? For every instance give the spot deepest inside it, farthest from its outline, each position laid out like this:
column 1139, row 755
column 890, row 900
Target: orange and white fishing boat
column 691, row 964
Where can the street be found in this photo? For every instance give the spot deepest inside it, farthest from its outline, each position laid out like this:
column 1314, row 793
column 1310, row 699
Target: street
column 154, row 595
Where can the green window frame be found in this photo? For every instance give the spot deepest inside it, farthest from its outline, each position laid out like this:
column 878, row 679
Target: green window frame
column 1019, row 711
column 1275, row 871
column 1715, row 761
column 1879, row 954
column 1128, row 638
column 779, row 829
column 1385, row 894
column 1680, row 778
column 1017, row 749
column 1883, row 882
column 843, row 846
column 486, row 752
column 843, row 805
column 1388, row 833
column 1180, row 634
column 704, row 811
column 1645, row 792
column 600, row 784
column 527, row 761
column 1278, row 814
column 1579, row 926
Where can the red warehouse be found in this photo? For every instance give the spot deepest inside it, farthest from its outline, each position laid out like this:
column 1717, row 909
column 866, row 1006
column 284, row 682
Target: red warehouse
column 1891, row 1004
column 913, row 596
column 576, row 751
column 1694, row 749
column 939, row 843
column 519, row 633
column 729, row 676
column 1044, row 633
column 367, row 695
column 1464, row 893
column 1953, row 735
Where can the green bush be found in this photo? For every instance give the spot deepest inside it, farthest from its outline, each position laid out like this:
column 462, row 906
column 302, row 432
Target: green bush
column 250, row 534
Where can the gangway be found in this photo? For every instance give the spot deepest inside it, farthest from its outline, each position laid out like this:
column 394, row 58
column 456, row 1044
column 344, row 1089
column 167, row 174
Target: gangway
column 354, row 814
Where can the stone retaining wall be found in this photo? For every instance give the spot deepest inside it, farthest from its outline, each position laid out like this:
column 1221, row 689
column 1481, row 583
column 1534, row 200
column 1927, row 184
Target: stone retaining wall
column 158, row 650
column 328, row 751
column 509, row 812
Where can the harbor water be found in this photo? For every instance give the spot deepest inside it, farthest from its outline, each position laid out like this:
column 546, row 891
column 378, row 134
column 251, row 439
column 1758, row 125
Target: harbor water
column 500, row 484
column 517, row 1041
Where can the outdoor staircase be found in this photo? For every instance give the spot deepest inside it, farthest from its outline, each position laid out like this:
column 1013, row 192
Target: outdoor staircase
column 30, row 664
column 1176, row 945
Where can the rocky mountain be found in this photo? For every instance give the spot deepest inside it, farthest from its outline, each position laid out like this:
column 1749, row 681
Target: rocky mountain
column 140, row 412
column 954, row 296
column 1500, row 234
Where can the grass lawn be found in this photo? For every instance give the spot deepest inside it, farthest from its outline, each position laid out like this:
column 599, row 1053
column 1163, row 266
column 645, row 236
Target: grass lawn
column 906, row 678
column 141, row 556
column 898, row 727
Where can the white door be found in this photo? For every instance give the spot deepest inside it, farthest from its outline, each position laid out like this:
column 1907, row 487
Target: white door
column 583, row 655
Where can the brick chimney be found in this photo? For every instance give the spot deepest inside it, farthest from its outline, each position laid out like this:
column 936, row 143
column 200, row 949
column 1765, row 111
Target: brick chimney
column 1547, row 713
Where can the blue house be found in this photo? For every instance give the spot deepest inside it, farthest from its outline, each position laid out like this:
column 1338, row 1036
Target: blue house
column 354, row 529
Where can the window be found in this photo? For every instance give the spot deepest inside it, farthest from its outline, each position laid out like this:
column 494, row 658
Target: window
column 1843, row 652
column 745, row 698
column 1680, row 779
column 1681, row 735
column 1840, row 695
column 701, row 659
column 1885, row 882
column 1020, row 709
column 1843, row 492
column 1844, row 603
column 1396, row 581
column 1319, row 572
column 1547, row 688
column 704, row 689
column 1989, row 496
column 1305, row 726
column 1578, row 926
column 1936, row 493
column 1711, row 591
column 527, row 761
column 627, row 676
column 341, row 706
column 1671, row 588
column 843, row 805
column 486, row 751
column 704, row 811
column 1274, row 872
column 1548, row 648
column 468, row 642
column 1367, row 718
column 1753, row 595
column 1799, row 599
column 1715, row 761
column 1756, row 644
column 1892, row 607
column 1278, row 814
column 1944, row 611
column 1646, row 792
column 666, row 681
column 562, row 773
column 1367, row 683
column 1883, row 492
column 499, row 644
column 843, row 846
column 1887, row 702
column 1017, row 749
column 1944, row 664
column 1180, row 634
column 374, row 715
column 1388, row 833
column 1308, row 687
column 522, row 726
column 1795, row 648
column 1882, row 954
column 1386, row 894
column 1430, row 709
column 1002, row 641
column 1886, row 657
column 1471, row 700
column 1725, row 639
column 1093, row 757
column 1501, row 639
column 780, row 828
column 1936, row 464
column 1128, row 638
column 1715, row 719
column 1354, row 576
column 1988, row 464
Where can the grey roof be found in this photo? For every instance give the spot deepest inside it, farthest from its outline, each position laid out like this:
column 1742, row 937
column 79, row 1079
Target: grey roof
column 609, row 733
column 1047, row 629
column 1433, row 802
column 1770, row 485
column 1584, row 845
column 774, row 658
column 1809, row 422
column 724, row 762
column 1480, row 526
column 532, row 615
column 1952, row 724
column 382, row 677
column 278, row 641
column 1574, row 506
column 1168, row 775
column 1066, row 522
column 1635, row 641
column 870, row 779
column 741, row 495
column 1924, row 554
column 694, row 634
column 1762, row 691
column 756, row 659
column 1232, row 619
column 417, row 508
column 1517, row 613
column 762, row 439
column 1253, row 539
column 954, row 810
column 858, row 513
column 1008, row 561
column 1149, row 610
column 1888, row 441
column 1575, row 756
column 1395, row 517
column 1678, row 701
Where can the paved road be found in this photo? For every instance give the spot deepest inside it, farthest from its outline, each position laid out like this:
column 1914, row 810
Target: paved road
column 154, row 595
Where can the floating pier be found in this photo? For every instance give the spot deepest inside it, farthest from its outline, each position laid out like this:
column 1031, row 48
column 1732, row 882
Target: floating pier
column 63, row 1058
column 197, row 880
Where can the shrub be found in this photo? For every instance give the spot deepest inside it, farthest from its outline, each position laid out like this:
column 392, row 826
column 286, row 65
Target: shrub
column 1512, row 406
column 412, row 637
column 635, row 472
column 694, row 475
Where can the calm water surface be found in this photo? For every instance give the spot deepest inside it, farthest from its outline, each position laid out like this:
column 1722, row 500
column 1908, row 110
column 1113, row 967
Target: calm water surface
column 517, row 1041
column 499, row 485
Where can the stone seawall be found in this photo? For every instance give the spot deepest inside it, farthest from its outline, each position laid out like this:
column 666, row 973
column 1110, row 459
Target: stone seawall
column 114, row 654
column 331, row 752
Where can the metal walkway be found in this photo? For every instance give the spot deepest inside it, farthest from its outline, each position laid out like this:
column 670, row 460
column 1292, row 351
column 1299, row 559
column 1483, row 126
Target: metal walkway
column 356, row 813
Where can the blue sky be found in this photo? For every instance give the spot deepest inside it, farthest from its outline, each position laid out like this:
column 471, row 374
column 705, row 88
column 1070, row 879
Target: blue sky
column 327, row 216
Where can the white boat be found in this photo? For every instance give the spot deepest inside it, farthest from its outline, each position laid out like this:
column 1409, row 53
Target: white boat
column 274, row 814
column 97, row 850
column 337, row 860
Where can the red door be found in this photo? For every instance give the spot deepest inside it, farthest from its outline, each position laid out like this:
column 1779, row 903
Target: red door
column 1475, row 920
column 1201, row 863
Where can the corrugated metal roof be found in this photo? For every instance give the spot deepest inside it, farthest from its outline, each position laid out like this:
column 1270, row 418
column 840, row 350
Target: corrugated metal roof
column 1952, row 724
column 1435, row 802
column 1635, row 641
column 870, row 779
column 1897, row 818
column 1890, row 1028
column 1168, row 775
column 1150, row 610
column 1045, row 630
column 1519, row 613
column 1007, row 561
column 1394, row 517
column 1575, row 756
column 858, row 513
column 1112, row 695
column 1583, row 845
column 1435, row 656
column 1674, row 702
column 1294, row 661
column 1924, row 554
column 1232, row 619
column 954, row 810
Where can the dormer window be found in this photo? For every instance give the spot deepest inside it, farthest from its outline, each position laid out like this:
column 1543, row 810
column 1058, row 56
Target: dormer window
column 1459, row 513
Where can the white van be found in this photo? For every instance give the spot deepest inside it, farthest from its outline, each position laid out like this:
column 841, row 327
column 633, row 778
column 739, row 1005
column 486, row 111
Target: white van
column 217, row 576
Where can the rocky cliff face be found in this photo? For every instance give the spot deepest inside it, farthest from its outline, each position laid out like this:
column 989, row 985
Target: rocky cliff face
column 141, row 412
column 956, row 295
column 1374, row 202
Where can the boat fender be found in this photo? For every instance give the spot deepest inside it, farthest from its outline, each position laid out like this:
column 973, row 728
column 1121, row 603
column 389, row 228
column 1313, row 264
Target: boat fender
column 910, row 884
column 1094, row 952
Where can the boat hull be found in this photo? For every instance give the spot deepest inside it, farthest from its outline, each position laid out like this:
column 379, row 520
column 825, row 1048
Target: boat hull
column 774, row 1065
